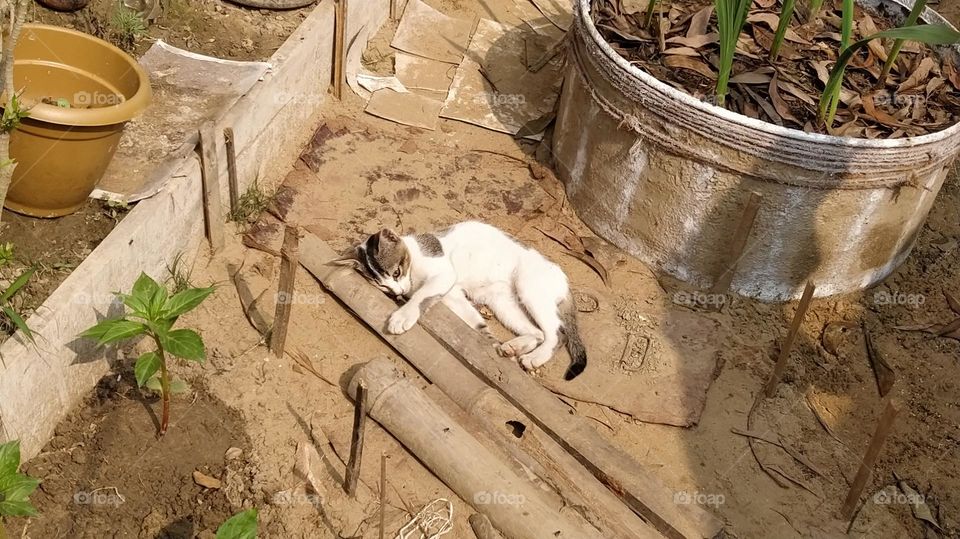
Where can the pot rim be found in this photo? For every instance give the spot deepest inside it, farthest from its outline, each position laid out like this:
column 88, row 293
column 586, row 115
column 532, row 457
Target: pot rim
column 583, row 7
column 99, row 116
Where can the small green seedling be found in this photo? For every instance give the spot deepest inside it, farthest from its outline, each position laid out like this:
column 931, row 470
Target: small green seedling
column 6, row 295
column 153, row 314
column 15, row 487
column 252, row 202
column 786, row 15
column 128, row 26
column 13, row 114
column 243, row 525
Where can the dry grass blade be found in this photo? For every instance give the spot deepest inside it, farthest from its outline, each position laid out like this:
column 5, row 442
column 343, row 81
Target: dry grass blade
column 952, row 302
column 594, row 264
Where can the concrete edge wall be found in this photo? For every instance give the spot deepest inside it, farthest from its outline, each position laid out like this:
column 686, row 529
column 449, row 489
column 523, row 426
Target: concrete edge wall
column 40, row 384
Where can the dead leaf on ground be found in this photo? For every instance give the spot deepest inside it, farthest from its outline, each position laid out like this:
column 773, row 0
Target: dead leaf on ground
column 594, row 264
column 783, row 109
column 695, row 42
column 205, row 480
column 919, row 75
column 765, row 105
column 699, row 22
column 686, row 62
column 918, row 505
column 757, row 76
column 772, row 20
column 683, row 51
column 884, row 373
column 952, row 302
column 880, row 116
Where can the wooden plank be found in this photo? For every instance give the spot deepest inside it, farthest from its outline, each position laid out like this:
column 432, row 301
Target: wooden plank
column 884, row 426
column 356, row 442
column 232, row 180
column 787, row 346
column 212, row 209
column 289, row 253
column 739, row 244
column 642, row 491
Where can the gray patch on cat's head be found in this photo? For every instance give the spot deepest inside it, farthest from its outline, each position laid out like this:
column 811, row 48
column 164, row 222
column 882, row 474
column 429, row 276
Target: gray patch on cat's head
column 429, row 245
column 384, row 259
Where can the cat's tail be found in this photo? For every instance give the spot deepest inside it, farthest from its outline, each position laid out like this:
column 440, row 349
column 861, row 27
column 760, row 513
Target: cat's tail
column 571, row 334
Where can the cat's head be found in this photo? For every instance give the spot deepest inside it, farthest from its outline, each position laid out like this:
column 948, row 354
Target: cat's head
column 384, row 260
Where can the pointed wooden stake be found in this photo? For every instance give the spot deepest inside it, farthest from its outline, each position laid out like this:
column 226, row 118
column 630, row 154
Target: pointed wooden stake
column 289, row 255
column 884, row 426
column 383, row 494
column 356, row 442
column 210, row 175
column 230, row 143
column 738, row 244
column 787, row 344
column 339, row 47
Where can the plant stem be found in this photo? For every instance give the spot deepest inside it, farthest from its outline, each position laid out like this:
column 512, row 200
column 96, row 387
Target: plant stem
column 915, row 12
column 18, row 14
column 649, row 16
column 786, row 15
column 164, row 388
column 3, row 531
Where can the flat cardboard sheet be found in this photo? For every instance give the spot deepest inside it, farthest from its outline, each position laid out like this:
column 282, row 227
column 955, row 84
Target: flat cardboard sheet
column 189, row 89
column 426, row 32
column 493, row 88
column 662, row 377
column 430, row 77
column 405, row 108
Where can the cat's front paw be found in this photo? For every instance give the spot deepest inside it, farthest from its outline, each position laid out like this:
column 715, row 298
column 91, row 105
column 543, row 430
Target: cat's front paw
column 402, row 320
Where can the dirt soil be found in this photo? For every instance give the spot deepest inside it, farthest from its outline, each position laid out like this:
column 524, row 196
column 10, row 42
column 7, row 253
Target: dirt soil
column 55, row 247
column 212, row 27
column 360, row 174
column 105, row 474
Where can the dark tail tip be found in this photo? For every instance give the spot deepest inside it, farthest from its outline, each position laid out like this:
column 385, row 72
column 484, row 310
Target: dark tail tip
column 575, row 369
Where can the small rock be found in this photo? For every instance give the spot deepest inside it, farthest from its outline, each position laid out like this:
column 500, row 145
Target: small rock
column 79, row 457
column 205, row 480
column 233, row 453
column 409, row 146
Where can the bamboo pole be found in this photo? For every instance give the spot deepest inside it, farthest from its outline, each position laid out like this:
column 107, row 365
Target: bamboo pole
column 356, row 442
column 884, row 426
column 289, row 254
column 787, row 346
column 212, row 209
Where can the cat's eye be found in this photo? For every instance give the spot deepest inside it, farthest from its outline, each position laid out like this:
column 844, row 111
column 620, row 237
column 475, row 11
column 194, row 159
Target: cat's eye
column 396, row 274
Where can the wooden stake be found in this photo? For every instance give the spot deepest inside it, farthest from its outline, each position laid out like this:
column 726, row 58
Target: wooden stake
column 787, row 345
column 228, row 139
column 210, row 174
column 339, row 47
column 383, row 494
column 869, row 459
column 289, row 255
column 739, row 244
column 356, row 442
column 393, row 10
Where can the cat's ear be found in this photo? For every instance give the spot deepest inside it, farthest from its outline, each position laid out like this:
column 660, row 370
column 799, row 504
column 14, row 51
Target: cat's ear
column 351, row 258
column 389, row 236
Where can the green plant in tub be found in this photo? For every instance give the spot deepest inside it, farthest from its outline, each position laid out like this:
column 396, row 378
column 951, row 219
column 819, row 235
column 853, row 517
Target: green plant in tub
column 731, row 16
column 786, row 15
column 15, row 487
column 6, row 294
column 918, row 7
column 243, row 525
column 931, row 34
column 153, row 312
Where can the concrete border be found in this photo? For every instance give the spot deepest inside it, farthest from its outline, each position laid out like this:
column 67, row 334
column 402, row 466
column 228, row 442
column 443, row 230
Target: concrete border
column 40, row 384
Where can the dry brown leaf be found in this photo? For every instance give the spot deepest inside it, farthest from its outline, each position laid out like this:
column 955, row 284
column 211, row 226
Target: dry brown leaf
column 952, row 302
column 686, row 62
column 205, row 480
column 867, row 27
column 880, row 116
column 821, row 68
column 695, row 41
column 933, row 85
column 796, row 91
column 765, row 105
column 952, row 75
column 771, row 21
column 594, row 264
column 919, row 75
column 699, row 22
column 683, row 51
column 783, row 109
column 757, row 76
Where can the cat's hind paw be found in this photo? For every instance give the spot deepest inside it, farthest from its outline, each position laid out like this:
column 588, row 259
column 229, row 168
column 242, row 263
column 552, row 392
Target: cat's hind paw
column 402, row 320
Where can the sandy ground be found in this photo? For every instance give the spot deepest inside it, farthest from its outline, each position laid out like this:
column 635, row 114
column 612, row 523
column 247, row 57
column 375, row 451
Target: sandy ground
column 373, row 174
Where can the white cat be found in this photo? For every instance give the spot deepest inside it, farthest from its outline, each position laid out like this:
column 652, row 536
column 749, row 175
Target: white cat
column 476, row 263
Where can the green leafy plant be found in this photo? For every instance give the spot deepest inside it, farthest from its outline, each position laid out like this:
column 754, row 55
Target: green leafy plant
column 931, row 34
column 13, row 114
column 918, row 7
column 128, row 26
column 243, row 525
column 786, row 15
column 253, row 201
column 6, row 295
column 648, row 17
column 153, row 314
column 15, row 487
column 731, row 16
